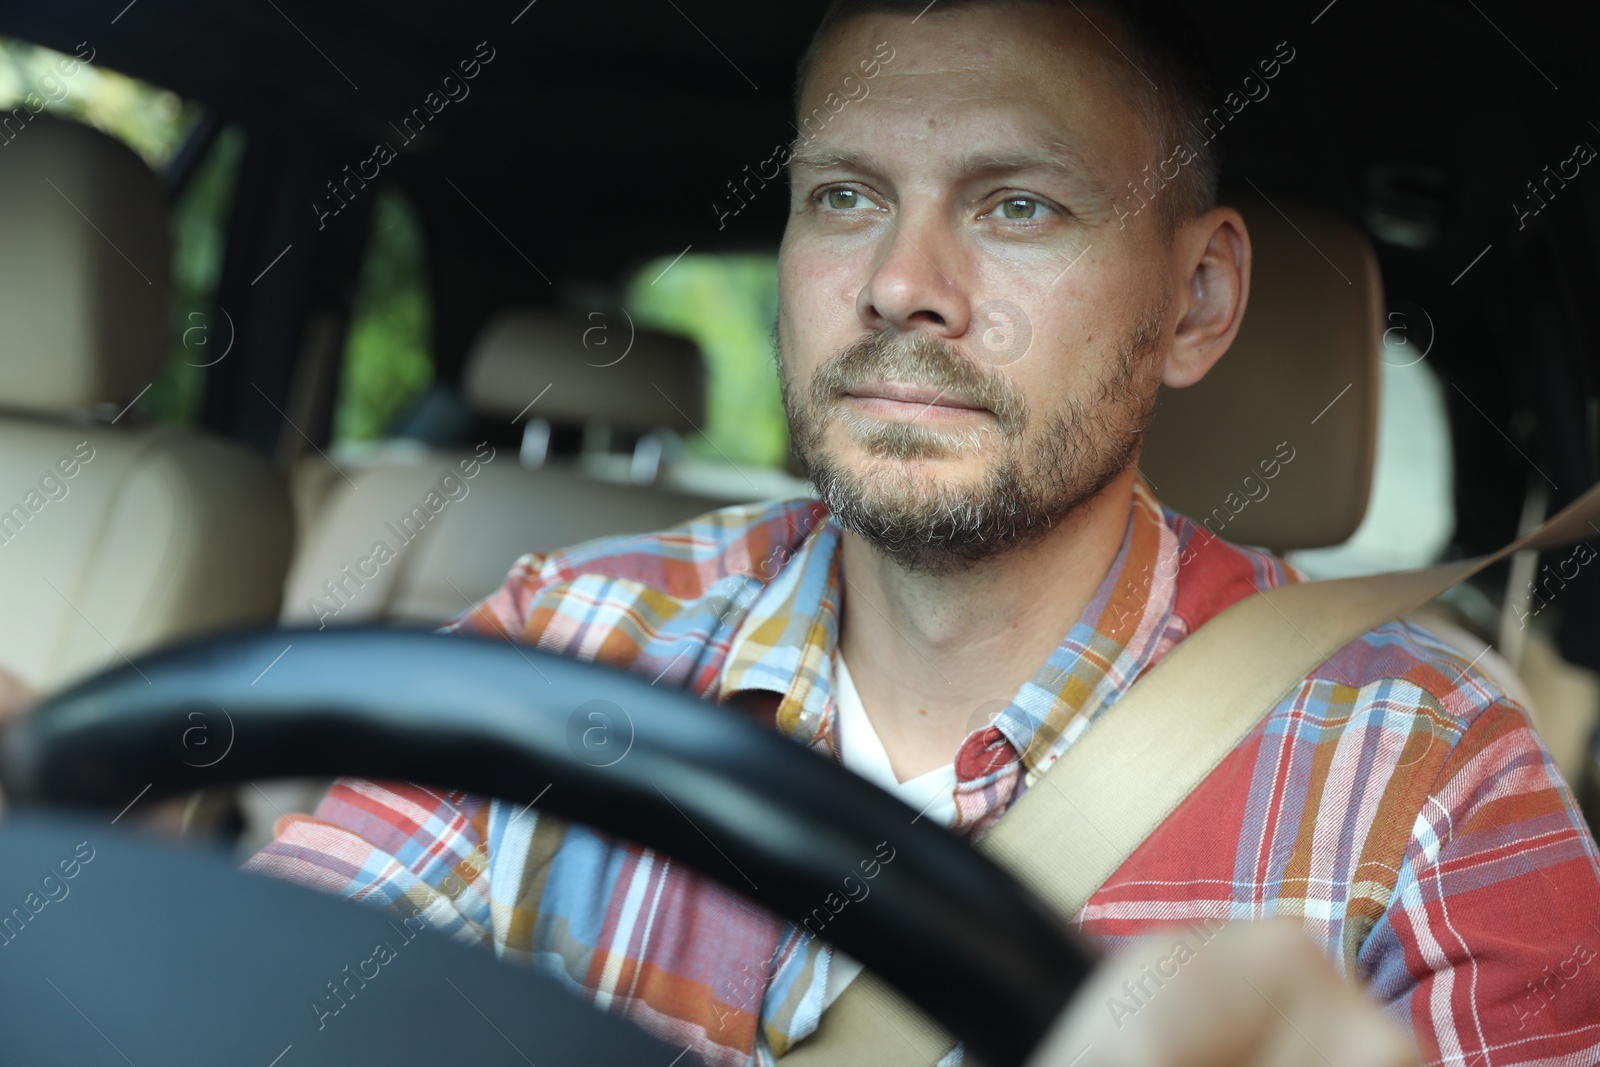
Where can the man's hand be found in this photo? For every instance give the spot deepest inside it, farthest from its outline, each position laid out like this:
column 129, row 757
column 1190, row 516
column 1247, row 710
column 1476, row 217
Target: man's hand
column 1256, row 994
column 16, row 696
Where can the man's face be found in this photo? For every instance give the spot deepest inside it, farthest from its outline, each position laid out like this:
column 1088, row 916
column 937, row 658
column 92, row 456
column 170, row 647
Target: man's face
column 970, row 343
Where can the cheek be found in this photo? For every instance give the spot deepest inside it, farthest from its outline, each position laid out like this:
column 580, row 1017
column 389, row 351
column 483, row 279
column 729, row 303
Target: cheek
column 817, row 298
column 822, row 277
column 1075, row 348
column 1051, row 385
column 1055, row 324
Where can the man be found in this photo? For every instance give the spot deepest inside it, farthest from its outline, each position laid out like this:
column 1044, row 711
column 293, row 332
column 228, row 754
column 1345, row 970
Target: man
column 984, row 575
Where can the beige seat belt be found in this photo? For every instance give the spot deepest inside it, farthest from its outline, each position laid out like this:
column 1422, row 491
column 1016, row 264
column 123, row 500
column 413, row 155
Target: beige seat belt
column 1080, row 821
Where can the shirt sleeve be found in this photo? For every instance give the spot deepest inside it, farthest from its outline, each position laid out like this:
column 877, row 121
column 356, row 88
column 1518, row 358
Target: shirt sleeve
column 1488, row 947
column 404, row 846
column 505, row 611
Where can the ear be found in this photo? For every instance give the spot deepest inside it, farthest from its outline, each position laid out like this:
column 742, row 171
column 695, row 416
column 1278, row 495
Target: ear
column 1211, row 260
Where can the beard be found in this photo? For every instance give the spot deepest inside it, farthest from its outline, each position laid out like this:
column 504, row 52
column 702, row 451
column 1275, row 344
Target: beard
column 1040, row 474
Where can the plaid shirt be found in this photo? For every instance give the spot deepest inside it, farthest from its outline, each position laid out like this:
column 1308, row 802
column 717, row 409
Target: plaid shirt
column 1398, row 803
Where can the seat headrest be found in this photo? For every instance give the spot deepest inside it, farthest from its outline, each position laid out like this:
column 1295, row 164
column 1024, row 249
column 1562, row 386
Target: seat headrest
column 579, row 370
column 1275, row 446
column 86, row 265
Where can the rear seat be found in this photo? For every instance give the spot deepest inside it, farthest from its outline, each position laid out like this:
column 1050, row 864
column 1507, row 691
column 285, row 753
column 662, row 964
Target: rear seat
column 402, row 532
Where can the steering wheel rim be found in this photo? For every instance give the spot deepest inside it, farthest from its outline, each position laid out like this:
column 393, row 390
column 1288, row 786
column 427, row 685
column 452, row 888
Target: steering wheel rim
column 735, row 800
column 126, row 948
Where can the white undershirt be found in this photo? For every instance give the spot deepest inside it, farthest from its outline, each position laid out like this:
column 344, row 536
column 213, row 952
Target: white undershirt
column 862, row 751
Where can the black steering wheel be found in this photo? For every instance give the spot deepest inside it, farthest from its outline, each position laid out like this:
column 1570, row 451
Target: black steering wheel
column 731, row 798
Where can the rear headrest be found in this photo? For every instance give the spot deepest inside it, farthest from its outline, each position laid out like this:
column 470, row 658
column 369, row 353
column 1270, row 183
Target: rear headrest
column 1275, row 446
column 85, row 268
column 580, row 370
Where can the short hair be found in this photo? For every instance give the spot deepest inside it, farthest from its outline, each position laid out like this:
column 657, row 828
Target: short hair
column 1169, row 75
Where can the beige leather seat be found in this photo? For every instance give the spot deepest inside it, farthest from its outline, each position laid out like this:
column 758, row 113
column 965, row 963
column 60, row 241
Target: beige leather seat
column 115, row 537
column 414, row 534
column 1300, row 382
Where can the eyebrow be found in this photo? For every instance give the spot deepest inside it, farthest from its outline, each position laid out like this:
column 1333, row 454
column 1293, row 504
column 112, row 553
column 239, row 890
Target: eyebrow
column 802, row 156
column 1059, row 158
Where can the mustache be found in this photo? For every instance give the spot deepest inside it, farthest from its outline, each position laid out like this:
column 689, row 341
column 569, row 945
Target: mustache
column 919, row 359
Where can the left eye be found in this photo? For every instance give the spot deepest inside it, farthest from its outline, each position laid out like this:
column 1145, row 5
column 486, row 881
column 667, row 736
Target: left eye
column 1021, row 207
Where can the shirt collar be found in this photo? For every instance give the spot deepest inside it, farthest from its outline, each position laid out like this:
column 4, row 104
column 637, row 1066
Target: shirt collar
column 786, row 641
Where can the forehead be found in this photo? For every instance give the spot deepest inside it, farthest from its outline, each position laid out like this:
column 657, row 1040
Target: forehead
column 1012, row 74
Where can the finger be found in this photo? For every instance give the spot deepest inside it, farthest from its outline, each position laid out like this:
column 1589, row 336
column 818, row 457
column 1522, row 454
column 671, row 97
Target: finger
column 1313, row 1016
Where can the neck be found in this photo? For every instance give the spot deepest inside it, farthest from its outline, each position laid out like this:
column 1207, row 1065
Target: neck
column 935, row 657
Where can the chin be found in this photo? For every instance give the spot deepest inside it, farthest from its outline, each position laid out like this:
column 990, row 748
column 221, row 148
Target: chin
column 948, row 511
column 926, row 523
column 930, row 477
column 880, row 440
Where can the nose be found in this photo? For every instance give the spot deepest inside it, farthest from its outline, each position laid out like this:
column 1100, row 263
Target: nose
column 915, row 284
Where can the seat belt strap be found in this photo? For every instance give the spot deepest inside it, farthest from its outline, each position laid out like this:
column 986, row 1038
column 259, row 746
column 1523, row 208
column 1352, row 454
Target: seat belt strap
column 1078, row 823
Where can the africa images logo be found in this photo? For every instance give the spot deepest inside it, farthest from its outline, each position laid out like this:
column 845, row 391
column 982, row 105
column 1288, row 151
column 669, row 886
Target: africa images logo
column 852, row 89
column 383, row 153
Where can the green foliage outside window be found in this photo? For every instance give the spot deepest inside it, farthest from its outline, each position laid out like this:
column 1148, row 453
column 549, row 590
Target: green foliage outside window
column 149, row 120
column 201, row 333
column 727, row 303
column 388, row 357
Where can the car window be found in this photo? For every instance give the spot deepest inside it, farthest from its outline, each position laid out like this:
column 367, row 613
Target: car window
column 388, row 352
column 150, row 120
column 202, row 333
column 727, row 304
